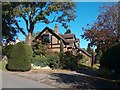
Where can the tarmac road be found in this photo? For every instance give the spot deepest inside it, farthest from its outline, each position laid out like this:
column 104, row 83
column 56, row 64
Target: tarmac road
column 12, row 81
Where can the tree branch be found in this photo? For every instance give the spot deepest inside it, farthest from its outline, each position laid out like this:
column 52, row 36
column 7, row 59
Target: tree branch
column 25, row 21
column 23, row 16
column 53, row 20
column 20, row 29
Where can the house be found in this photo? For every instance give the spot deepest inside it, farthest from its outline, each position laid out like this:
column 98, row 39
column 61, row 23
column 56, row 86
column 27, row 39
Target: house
column 52, row 38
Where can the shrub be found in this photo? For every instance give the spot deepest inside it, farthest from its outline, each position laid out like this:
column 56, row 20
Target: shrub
column 43, row 57
column 20, row 58
column 98, row 56
column 51, row 60
column 39, row 49
column 83, row 60
column 39, row 60
column 54, row 61
column 70, row 61
column 111, row 58
column 104, row 72
column 6, row 50
column 61, row 54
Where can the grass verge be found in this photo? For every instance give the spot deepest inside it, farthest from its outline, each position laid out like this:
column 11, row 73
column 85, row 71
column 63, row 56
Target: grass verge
column 3, row 64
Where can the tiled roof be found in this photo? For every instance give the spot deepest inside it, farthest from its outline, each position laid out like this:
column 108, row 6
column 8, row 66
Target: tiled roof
column 66, row 36
column 55, row 34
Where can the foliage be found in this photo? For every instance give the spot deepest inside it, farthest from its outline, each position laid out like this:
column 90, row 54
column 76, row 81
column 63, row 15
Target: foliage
column 53, row 61
column 39, row 61
column 98, row 55
column 3, row 64
column 90, row 50
column 111, row 58
column 33, row 12
column 6, row 50
column 20, row 58
column 68, row 31
column 43, row 57
column 83, row 60
column 105, row 31
column 71, row 61
column 8, row 32
column 61, row 55
column 104, row 72
column 39, row 49
column 61, row 47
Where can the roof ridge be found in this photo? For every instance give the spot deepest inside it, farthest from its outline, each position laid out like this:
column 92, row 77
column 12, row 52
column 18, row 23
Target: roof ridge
column 54, row 33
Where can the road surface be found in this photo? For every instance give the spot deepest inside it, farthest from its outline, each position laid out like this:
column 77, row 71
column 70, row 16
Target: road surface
column 12, row 81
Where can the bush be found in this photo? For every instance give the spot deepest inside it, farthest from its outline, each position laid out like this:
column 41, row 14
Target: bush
column 70, row 61
column 6, row 50
column 20, row 58
column 39, row 60
column 98, row 56
column 54, row 61
column 104, row 72
column 39, row 49
column 43, row 57
column 83, row 60
column 111, row 58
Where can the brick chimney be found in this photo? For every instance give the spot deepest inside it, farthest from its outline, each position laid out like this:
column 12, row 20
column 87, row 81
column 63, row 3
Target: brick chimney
column 56, row 28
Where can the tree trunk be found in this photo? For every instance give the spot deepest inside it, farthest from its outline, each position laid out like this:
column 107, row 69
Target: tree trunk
column 28, row 40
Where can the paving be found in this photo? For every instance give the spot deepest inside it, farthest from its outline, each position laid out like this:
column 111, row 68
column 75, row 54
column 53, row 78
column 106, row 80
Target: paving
column 67, row 79
column 13, row 81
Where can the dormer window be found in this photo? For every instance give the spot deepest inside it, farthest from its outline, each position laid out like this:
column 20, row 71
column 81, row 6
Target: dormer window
column 46, row 38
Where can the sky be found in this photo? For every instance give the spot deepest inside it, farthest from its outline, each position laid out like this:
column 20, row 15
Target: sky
column 86, row 13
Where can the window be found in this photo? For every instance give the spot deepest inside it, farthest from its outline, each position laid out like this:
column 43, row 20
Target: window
column 46, row 38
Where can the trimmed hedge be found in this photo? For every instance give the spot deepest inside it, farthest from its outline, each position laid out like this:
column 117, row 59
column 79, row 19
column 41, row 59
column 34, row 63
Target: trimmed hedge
column 111, row 58
column 20, row 58
column 6, row 50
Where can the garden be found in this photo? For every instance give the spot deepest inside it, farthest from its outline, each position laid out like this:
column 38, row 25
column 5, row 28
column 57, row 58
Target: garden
column 22, row 57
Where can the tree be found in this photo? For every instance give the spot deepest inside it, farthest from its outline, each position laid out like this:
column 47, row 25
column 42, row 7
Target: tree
column 105, row 31
column 61, row 53
column 8, row 32
column 111, row 58
column 40, row 12
column 98, row 55
column 68, row 31
column 90, row 50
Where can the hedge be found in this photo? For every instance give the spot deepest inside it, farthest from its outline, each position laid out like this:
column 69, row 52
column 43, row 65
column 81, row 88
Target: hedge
column 111, row 58
column 20, row 58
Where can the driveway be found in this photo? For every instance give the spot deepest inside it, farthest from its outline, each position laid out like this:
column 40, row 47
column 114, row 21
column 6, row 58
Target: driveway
column 67, row 79
column 13, row 81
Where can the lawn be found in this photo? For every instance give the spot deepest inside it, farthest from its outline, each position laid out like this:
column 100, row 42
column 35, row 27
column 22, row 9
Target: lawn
column 2, row 65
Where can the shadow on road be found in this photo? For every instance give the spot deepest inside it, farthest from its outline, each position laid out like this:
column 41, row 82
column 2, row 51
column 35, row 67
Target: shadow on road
column 83, row 82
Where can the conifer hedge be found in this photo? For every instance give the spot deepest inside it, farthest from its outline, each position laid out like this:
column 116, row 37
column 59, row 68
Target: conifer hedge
column 20, row 58
column 111, row 58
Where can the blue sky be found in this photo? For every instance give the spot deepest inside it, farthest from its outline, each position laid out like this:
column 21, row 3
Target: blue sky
column 86, row 12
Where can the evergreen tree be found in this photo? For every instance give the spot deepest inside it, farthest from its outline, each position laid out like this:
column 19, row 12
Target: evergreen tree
column 61, row 53
column 68, row 31
column 98, row 55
